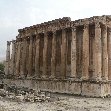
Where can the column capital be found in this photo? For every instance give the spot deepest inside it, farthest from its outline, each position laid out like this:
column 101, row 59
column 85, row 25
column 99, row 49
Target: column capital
column 86, row 26
column 54, row 32
column 104, row 28
column 8, row 42
column 63, row 30
column 31, row 37
column 109, row 29
column 74, row 29
column 97, row 25
column 37, row 36
column 13, row 41
column 45, row 33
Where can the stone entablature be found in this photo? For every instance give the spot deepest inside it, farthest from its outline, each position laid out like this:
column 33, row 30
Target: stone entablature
column 65, row 22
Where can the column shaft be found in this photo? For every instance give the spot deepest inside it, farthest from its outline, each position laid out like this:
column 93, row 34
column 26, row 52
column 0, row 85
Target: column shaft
column 45, row 55
column 109, row 53
column 73, row 53
column 24, row 57
column 27, row 55
column 18, row 59
column 37, row 68
column 7, row 58
column 13, row 56
column 30, row 56
column 85, row 66
column 53, row 59
column 63, row 54
column 105, row 54
column 97, row 53
column 21, row 58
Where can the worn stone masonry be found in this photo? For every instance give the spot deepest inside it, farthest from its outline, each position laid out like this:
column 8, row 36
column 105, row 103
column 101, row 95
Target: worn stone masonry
column 63, row 56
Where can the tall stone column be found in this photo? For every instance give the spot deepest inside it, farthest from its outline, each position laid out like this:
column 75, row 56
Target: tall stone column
column 37, row 68
column 63, row 54
column 53, row 59
column 109, row 53
column 18, row 59
column 7, row 58
column 30, row 56
column 73, row 53
column 13, row 56
column 105, row 54
column 21, row 57
column 97, row 53
column 24, row 57
column 85, row 59
column 27, row 55
column 45, row 55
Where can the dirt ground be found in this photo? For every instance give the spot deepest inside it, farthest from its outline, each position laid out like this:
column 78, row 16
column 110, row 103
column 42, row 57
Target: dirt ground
column 59, row 103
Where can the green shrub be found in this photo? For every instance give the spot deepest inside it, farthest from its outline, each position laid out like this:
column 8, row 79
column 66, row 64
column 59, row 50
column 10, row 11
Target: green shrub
column 2, row 66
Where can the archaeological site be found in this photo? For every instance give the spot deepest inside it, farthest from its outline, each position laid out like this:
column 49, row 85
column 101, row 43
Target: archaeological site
column 63, row 56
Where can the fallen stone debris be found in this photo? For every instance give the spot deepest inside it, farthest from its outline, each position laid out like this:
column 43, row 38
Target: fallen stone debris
column 24, row 94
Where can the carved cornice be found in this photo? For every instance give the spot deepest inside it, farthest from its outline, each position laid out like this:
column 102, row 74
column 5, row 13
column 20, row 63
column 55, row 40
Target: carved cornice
column 49, row 26
column 63, row 23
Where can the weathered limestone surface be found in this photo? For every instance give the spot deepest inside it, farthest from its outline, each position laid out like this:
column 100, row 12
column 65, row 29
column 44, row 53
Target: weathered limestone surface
column 30, row 57
column 105, row 53
column 109, row 53
column 85, row 52
column 97, row 52
column 24, row 57
column 18, row 59
column 37, row 56
column 45, row 55
column 63, row 56
column 73, row 54
column 7, row 58
column 53, row 59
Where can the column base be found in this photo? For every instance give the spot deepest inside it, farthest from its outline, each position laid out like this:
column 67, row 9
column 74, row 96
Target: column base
column 105, row 78
column 96, row 79
column 52, row 77
column 84, row 78
column 72, row 78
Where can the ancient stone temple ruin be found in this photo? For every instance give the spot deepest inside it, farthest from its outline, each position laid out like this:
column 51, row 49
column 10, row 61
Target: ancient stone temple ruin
column 63, row 56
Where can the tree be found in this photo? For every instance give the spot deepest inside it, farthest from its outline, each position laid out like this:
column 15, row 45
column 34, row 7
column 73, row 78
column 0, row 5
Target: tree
column 2, row 66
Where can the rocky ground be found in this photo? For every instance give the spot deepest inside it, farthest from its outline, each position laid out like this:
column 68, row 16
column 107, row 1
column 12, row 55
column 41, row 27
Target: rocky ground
column 58, row 103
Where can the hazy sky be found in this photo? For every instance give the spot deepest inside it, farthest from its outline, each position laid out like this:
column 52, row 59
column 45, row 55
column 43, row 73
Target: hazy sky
column 17, row 14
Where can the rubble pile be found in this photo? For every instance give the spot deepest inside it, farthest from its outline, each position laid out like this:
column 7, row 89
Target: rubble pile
column 21, row 94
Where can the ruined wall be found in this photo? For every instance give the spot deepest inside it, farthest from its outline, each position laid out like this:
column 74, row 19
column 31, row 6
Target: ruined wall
column 77, row 51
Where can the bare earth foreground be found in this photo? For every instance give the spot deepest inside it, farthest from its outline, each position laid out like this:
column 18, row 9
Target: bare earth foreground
column 60, row 103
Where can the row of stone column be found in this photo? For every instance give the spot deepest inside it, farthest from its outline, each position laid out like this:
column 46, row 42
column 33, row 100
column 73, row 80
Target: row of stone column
column 101, row 53
column 22, row 54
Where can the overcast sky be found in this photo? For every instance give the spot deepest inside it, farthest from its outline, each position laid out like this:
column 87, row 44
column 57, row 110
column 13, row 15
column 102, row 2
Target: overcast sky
column 17, row 14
